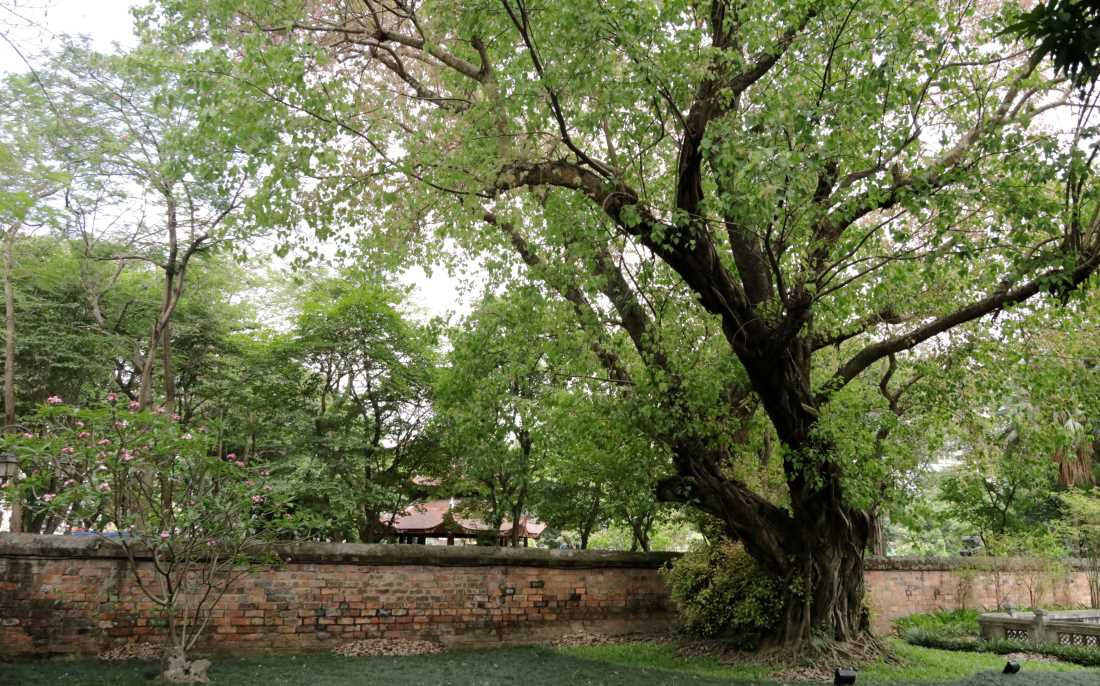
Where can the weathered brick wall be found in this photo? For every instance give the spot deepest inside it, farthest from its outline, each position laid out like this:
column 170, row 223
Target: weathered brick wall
column 73, row 595
column 897, row 587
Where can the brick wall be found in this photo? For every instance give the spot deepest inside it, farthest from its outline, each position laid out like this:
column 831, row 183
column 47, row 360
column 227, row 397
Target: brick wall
column 62, row 594
column 74, row 595
column 902, row 586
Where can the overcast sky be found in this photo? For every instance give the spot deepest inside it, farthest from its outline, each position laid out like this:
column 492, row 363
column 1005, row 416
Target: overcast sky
column 32, row 25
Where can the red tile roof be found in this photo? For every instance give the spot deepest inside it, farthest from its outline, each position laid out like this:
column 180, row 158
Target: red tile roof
column 429, row 518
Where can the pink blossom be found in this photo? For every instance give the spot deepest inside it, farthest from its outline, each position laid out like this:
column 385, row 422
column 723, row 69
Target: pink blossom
column 265, row 472
column 164, row 535
column 121, row 424
column 210, row 541
column 187, row 437
column 176, row 417
column 257, row 499
column 54, row 400
column 48, row 497
column 68, row 450
column 133, row 406
column 83, row 434
column 160, row 409
column 68, row 482
column 231, row 456
column 103, row 441
column 79, row 425
column 249, row 482
column 28, row 434
column 239, row 463
column 8, row 484
column 126, row 455
column 111, row 397
column 105, row 487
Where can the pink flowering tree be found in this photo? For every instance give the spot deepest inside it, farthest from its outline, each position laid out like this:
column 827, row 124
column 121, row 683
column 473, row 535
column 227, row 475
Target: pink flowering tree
column 189, row 521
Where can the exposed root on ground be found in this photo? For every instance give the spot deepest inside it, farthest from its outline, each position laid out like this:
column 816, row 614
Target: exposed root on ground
column 813, row 661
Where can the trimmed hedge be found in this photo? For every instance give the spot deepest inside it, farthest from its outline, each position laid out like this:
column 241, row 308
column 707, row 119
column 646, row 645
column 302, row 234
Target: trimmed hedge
column 1089, row 657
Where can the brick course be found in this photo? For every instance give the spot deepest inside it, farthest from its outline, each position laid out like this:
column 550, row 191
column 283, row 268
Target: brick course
column 60, row 595
column 65, row 595
column 900, row 587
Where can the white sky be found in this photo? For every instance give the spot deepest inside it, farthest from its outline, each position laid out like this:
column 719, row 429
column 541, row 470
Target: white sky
column 32, row 25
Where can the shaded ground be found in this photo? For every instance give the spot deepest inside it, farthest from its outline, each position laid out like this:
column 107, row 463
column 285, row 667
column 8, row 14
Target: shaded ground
column 638, row 664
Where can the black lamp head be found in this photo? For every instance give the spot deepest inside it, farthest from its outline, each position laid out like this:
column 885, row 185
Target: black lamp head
column 1011, row 667
column 844, row 676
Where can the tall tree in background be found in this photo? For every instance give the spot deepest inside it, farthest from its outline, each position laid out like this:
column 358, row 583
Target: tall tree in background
column 174, row 184
column 370, row 379
column 823, row 191
column 491, row 398
column 28, row 177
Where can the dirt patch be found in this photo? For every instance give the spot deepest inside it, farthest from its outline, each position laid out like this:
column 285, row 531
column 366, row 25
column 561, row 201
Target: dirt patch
column 133, row 651
column 584, row 638
column 378, row 647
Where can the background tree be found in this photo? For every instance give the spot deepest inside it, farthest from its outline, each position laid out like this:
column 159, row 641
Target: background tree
column 175, row 184
column 491, row 398
column 370, row 382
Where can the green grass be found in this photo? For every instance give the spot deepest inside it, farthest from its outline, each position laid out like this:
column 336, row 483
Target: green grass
column 918, row 665
column 644, row 664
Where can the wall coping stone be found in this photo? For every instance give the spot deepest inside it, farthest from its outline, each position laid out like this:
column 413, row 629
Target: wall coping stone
column 91, row 547
column 305, row 552
column 958, row 562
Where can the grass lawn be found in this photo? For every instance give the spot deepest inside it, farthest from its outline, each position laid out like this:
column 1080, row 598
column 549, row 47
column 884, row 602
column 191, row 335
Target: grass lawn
column 642, row 664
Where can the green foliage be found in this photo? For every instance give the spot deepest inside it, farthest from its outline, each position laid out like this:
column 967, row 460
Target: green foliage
column 943, row 623
column 721, row 592
column 1068, row 31
column 145, row 476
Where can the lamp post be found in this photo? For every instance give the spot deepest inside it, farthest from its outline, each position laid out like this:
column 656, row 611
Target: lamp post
column 9, row 469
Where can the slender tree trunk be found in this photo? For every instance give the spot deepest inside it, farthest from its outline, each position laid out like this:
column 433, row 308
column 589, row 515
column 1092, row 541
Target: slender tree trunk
column 9, row 331
column 168, row 369
column 878, row 543
column 16, row 520
column 167, row 307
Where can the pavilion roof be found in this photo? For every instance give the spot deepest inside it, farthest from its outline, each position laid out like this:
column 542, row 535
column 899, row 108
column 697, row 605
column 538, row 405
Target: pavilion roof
column 430, row 518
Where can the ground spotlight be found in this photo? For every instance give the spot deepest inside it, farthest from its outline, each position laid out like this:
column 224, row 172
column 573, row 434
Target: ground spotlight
column 844, row 676
column 1011, row 667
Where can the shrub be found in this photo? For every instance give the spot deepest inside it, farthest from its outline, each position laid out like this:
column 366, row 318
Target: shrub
column 948, row 624
column 721, row 592
column 152, row 487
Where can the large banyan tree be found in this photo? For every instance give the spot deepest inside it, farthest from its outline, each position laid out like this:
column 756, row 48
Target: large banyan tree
column 751, row 207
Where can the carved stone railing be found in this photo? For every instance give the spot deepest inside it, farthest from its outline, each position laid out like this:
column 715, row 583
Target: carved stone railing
column 1073, row 628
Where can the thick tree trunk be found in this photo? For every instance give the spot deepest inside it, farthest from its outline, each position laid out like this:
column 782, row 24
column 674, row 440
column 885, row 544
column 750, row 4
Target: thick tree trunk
column 831, row 559
column 816, row 545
